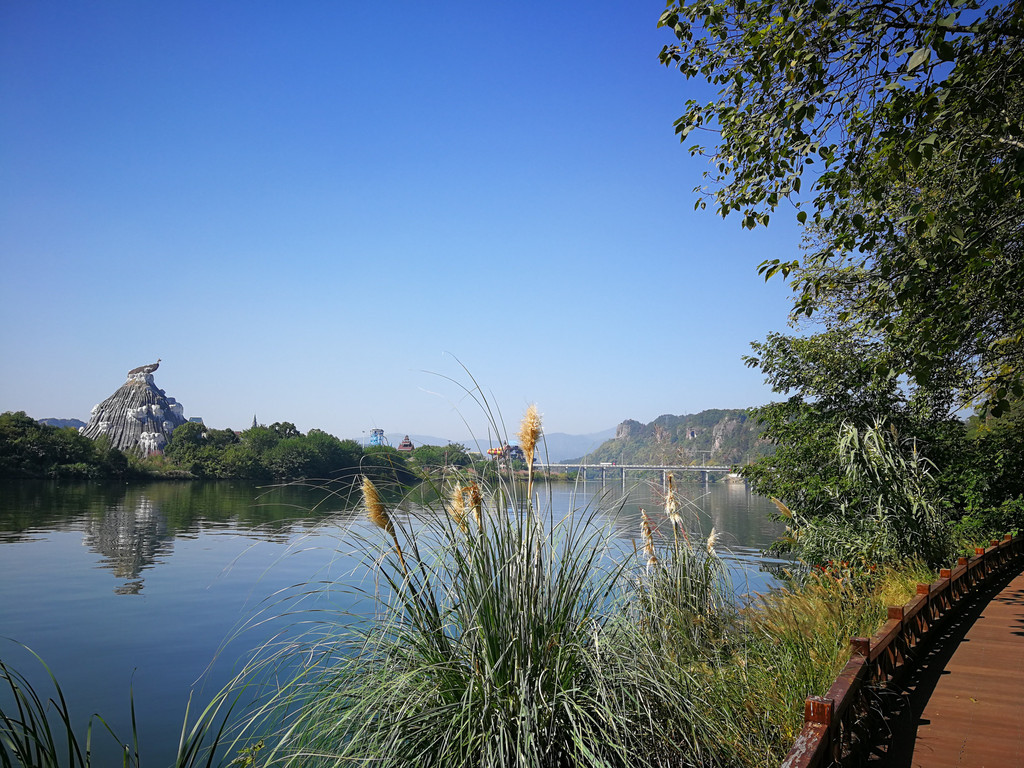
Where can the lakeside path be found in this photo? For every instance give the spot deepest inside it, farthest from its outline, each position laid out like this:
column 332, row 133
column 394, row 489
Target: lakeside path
column 964, row 705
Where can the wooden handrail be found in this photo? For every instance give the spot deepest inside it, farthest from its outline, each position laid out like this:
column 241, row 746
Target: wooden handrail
column 829, row 720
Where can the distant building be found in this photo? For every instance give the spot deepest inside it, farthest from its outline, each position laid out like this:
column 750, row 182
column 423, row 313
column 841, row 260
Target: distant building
column 406, row 444
column 377, row 437
column 197, row 420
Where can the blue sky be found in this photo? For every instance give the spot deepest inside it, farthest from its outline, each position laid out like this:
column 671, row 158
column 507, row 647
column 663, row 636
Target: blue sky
column 315, row 211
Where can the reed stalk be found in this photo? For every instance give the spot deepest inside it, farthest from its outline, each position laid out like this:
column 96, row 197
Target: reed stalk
column 377, row 513
column 529, row 436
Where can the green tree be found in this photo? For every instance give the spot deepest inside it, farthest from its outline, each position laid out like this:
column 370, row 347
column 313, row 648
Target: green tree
column 260, row 439
column 886, row 513
column 833, row 384
column 906, row 119
column 438, row 457
column 386, row 466
column 334, row 458
column 221, row 437
column 242, row 461
column 186, row 443
column 284, row 429
column 199, row 450
column 22, row 449
column 31, row 449
column 830, row 379
column 292, row 458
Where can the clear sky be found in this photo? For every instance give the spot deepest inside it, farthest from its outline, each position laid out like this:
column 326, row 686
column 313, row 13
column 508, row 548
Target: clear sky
column 314, row 211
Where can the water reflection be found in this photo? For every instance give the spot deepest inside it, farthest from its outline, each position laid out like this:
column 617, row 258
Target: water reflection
column 129, row 537
column 132, row 529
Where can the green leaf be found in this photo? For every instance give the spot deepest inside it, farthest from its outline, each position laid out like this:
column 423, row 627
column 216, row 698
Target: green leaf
column 919, row 57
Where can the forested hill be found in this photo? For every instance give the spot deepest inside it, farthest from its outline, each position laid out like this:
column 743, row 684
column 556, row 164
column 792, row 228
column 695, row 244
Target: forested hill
column 715, row 436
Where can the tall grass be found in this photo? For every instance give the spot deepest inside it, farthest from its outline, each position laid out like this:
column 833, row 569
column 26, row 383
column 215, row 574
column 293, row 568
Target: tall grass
column 38, row 732
column 888, row 515
column 482, row 651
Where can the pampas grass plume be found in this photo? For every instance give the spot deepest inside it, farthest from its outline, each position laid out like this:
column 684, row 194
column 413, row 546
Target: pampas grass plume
column 713, row 540
column 672, row 506
column 476, row 503
column 529, row 433
column 648, row 536
column 457, row 506
column 375, row 509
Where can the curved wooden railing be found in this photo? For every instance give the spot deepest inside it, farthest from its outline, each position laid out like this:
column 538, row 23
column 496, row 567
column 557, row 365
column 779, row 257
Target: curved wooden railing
column 831, row 722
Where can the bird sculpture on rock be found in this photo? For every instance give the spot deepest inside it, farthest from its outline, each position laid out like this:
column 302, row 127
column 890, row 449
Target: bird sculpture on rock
column 145, row 368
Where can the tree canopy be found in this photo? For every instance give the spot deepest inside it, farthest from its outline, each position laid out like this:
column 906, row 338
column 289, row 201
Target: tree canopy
column 441, row 457
column 896, row 131
column 31, row 449
column 280, row 452
column 934, row 471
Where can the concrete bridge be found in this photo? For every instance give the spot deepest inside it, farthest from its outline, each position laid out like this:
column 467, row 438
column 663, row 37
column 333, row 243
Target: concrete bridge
column 612, row 468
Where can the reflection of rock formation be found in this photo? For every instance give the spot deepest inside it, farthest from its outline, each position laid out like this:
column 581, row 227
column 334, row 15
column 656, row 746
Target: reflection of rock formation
column 130, row 538
column 138, row 417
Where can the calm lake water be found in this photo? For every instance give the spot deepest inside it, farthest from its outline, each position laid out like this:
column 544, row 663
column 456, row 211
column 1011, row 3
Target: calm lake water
column 164, row 589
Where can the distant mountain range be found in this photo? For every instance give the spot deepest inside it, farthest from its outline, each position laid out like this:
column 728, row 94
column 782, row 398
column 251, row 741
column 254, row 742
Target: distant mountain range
column 716, row 436
column 556, row 447
column 76, row 423
column 559, row 446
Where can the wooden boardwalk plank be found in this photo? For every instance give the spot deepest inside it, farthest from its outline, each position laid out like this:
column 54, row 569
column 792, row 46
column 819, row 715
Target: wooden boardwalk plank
column 970, row 703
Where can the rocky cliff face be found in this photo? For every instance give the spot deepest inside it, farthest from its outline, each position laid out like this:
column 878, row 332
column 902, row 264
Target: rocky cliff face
column 628, row 428
column 717, row 436
column 722, row 431
column 138, row 418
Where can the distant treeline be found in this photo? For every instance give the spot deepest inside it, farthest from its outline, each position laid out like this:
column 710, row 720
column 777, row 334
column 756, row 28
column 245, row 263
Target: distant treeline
column 29, row 449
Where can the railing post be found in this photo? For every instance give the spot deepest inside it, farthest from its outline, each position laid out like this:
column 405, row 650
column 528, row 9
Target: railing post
column 897, row 648
column 961, row 562
column 925, row 590
column 820, row 711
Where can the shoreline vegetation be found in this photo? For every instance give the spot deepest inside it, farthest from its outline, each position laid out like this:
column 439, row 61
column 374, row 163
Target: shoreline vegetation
column 500, row 635
column 262, row 454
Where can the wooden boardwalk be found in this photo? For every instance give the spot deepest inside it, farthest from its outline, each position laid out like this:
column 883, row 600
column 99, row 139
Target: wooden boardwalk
column 944, row 677
column 964, row 704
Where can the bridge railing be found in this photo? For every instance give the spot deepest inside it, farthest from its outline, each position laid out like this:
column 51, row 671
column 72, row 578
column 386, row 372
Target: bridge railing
column 833, row 722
